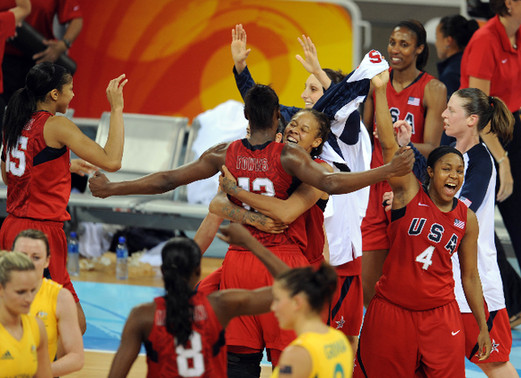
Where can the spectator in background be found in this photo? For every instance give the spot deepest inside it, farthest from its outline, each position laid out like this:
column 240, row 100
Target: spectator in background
column 492, row 62
column 9, row 19
column 17, row 63
column 452, row 35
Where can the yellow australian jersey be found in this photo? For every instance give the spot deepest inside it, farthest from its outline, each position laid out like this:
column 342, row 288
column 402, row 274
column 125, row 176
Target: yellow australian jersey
column 18, row 359
column 331, row 354
column 44, row 307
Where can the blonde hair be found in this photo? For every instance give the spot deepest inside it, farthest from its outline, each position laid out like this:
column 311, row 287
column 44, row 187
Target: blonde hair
column 13, row 261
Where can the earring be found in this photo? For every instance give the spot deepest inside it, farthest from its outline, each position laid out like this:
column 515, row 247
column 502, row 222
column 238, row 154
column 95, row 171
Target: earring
column 509, row 10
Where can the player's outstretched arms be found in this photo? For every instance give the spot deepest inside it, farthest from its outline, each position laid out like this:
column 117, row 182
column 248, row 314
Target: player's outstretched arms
column 160, row 182
column 297, row 162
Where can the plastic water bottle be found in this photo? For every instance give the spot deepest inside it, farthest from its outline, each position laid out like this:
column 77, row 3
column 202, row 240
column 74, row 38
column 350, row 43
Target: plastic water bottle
column 122, row 259
column 73, row 255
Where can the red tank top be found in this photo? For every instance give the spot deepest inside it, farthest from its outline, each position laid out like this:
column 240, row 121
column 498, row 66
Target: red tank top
column 258, row 169
column 315, row 233
column 39, row 177
column 307, row 231
column 417, row 272
column 203, row 356
column 405, row 105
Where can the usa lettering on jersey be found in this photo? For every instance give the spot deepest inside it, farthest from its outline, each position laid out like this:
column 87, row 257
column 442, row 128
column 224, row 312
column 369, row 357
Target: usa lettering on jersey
column 435, row 232
column 409, row 117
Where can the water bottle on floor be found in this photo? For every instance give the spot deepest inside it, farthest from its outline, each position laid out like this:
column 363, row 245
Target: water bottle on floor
column 73, row 255
column 122, row 259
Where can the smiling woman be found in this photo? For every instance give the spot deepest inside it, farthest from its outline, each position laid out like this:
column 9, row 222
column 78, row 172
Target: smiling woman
column 413, row 96
column 417, row 278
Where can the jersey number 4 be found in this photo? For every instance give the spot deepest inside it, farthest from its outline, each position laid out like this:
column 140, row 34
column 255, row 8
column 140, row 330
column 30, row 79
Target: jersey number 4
column 18, row 154
column 190, row 361
column 425, row 257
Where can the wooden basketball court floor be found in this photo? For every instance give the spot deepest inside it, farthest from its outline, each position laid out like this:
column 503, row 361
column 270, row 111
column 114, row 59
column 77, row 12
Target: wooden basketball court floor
column 107, row 302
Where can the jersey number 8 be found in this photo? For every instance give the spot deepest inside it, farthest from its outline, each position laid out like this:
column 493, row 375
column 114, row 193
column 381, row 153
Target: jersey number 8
column 193, row 354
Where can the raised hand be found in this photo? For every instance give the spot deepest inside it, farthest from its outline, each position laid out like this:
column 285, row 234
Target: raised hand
column 310, row 61
column 380, row 80
column 238, row 48
column 115, row 92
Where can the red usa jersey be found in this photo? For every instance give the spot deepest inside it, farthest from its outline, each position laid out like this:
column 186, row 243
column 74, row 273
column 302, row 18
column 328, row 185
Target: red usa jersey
column 417, row 272
column 315, row 233
column 203, row 356
column 38, row 176
column 405, row 105
column 307, row 231
column 258, row 169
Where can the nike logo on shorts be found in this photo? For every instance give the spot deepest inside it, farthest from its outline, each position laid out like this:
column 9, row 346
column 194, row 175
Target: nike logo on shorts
column 455, row 333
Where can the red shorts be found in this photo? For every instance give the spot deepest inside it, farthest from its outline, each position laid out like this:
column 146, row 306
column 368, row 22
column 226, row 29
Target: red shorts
column 241, row 269
column 347, row 307
column 376, row 220
column 211, row 282
column 396, row 342
column 12, row 226
column 500, row 334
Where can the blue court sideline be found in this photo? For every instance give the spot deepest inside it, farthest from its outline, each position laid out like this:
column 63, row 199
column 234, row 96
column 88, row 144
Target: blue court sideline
column 107, row 306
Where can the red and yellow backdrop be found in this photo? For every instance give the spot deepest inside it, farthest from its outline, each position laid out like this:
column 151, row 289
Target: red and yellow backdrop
column 176, row 53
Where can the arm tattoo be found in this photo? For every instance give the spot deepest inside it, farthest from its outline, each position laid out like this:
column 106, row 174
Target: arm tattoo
column 229, row 186
column 244, row 216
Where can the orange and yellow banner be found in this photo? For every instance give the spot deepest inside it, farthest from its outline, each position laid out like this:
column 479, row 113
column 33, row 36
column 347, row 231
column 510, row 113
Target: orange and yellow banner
column 176, row 54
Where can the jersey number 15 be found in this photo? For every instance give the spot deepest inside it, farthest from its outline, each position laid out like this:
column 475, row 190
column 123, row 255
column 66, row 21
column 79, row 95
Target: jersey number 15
column 19, row 154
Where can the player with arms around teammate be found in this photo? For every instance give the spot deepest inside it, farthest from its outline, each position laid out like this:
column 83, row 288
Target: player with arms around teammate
column 262, row 112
